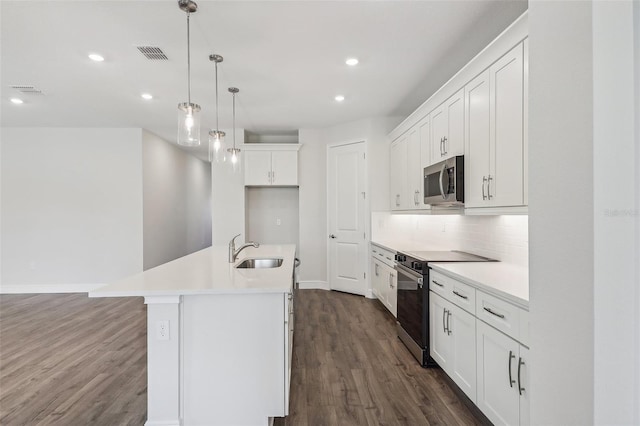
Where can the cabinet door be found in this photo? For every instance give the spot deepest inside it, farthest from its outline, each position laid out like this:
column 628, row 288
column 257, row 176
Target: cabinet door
column 524, row 383
column 463, row 350
column 477, row 140
column 424, row 127
column 398, row 173
column 376, row 280
column 392, row 295
column 454, row 142
column 497, row 364
column 284, row 168
column 414, row 170
column 257, row 168
column 438, row 133
column 440, row 343
column 506, row 184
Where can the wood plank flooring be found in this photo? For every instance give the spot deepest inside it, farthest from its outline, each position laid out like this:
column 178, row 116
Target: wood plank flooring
column 70, row 360
column 350, row 368
column 66, row 359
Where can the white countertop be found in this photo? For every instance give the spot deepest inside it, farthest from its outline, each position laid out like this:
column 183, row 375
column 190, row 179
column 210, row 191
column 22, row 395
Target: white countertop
column 208, row 272
column 503, row 280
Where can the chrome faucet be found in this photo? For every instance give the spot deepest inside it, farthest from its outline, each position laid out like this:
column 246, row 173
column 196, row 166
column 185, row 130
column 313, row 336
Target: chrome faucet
column 233, row 253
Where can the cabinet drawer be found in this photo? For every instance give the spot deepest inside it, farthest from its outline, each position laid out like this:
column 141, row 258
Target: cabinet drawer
column 440, row 284
column 464, row 296
column 383, row 255
column 499, row 314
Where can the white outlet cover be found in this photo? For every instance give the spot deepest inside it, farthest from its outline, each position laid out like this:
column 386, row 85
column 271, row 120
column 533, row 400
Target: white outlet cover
column 162, row 330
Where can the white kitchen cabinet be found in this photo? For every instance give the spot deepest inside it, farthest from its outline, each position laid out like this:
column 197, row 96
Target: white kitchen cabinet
column 447, row 128
column 494, row 138
column 275, row 167
column 406, row 166
column 502, row 365
column 453, row 342
column 384, row 280
column 398, row 173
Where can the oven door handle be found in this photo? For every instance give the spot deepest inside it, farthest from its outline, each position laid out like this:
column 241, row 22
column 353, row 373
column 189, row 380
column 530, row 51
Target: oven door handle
column 413, row 274
column 444, row 166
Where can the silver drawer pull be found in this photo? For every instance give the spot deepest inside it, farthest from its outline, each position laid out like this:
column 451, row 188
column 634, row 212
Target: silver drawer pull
column 460, row 295
column 437, row 283
column 493, row 313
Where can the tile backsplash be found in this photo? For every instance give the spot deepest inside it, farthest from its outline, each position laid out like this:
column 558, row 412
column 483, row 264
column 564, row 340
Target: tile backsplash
column 505, row 238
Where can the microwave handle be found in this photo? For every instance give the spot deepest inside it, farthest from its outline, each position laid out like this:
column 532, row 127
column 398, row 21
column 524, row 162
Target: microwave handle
column 444, row 166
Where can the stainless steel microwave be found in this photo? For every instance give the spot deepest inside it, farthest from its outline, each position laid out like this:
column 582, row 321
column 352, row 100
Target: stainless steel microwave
column 444, row 182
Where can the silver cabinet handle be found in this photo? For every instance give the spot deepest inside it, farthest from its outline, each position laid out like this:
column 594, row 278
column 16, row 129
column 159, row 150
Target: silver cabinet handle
column 397, row 200
column 332, row 236
column 437, row 283
column 444, row 145
column 444, row 313
column 273, row 177
column 520, row 364
column 441, row 150
column 460, row 295
column 269, row 176
column 484, row 181
column 511, row 381
column 376, row 269
column 494, row 313
column 489, row 187
column 448, row 323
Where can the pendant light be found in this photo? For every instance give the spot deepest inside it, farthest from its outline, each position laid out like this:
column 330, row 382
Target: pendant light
column 235, row 152
column 189, row 115
column 216, row 136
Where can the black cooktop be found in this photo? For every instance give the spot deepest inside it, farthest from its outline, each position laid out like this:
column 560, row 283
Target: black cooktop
column 417, row 260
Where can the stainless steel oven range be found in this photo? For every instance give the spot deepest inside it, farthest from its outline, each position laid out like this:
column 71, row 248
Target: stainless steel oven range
column 413, row 297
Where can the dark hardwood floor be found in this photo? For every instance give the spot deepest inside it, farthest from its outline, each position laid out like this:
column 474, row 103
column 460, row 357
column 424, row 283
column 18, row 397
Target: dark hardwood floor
column 66, row 359
column 70, row 360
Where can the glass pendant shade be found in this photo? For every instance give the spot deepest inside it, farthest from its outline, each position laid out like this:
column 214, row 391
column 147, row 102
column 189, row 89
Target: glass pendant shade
column 216, row 146
column 189, row 124
column 234, row 158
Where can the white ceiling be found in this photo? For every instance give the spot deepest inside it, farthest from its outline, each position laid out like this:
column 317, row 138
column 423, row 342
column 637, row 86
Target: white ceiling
column 287, row 58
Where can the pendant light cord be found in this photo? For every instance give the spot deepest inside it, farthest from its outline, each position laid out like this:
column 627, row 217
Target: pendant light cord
column 217, row 123
column 189, row 58
column 234, row 121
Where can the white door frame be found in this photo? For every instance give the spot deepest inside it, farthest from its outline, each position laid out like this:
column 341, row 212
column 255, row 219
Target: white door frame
column 367, row 214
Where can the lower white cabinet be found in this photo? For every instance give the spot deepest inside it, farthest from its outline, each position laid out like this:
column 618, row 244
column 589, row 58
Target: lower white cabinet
column 384, row 280
column 479, row 341
column 453, row 342
column 503, row 379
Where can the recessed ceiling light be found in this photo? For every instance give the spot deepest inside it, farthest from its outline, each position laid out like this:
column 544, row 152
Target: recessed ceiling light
column 96, row 57
column 147, row 96
column 352, row 62
column 17, row 101
column 339, row 98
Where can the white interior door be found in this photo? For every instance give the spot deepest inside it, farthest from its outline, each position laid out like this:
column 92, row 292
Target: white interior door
column 346, row 214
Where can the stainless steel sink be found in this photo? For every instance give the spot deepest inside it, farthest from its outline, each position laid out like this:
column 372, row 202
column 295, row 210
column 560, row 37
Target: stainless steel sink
column 260, row 263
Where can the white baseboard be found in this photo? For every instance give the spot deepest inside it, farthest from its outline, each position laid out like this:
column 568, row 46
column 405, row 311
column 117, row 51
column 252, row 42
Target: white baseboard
column 313, row 285
column 162, row 423
column 369, row 294
column 47, row 288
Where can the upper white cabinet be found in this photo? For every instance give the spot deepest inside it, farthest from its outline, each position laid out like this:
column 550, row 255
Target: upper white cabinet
column 494, row 137
column 407, row 155
column 268, row 165
column 447, row 128
column 398, row 173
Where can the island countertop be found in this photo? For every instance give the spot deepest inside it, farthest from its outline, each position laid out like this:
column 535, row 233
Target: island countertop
column 208, row 271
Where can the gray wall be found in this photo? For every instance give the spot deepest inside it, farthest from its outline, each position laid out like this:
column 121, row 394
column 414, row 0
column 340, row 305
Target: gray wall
column 584, row 292
column 177, row 201
column 71, row 207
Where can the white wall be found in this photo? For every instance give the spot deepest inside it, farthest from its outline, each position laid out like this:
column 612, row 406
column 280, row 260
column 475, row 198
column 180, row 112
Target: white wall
column 503, row 238
column 71, row 207
column 616, row 252
column 177, row 201
column 227, row 192
column 272, row 215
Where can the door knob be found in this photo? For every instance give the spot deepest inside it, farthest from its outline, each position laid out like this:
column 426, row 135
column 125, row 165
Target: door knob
column 332, row 236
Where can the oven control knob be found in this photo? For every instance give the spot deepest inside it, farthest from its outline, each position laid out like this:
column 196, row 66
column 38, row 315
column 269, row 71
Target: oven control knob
column 401, row 257
column 416, row 265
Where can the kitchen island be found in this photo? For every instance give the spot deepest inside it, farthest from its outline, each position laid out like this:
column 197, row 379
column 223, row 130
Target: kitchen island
column 219, row 337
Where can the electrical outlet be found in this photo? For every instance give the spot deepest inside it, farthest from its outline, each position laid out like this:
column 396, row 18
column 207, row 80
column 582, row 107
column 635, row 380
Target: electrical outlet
column 162, row 330
column 32, row 265
column 278, row 222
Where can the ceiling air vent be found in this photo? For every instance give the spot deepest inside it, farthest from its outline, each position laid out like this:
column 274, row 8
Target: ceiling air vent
column 26, row 88
column 153, row 53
